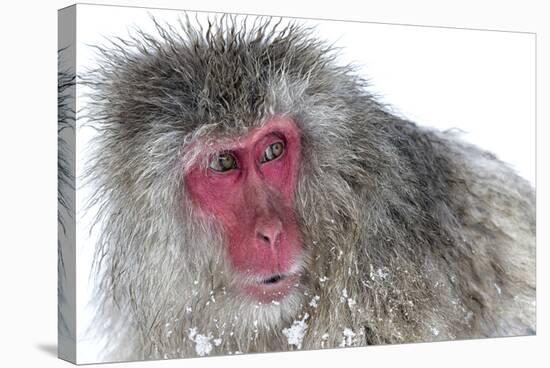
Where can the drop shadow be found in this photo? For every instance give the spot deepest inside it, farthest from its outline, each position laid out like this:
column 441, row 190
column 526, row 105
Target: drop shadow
column 50, row 349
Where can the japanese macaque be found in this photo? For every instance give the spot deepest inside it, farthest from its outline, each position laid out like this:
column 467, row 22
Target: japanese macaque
column 253, row 196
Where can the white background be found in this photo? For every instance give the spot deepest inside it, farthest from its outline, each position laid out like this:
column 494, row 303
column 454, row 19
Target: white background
column 28, row 152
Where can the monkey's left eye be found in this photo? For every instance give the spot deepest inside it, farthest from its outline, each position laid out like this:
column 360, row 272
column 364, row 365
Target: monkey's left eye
column 273, row 151
column 223, row 162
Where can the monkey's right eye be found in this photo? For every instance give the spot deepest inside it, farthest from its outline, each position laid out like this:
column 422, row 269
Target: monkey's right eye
column 223, row 162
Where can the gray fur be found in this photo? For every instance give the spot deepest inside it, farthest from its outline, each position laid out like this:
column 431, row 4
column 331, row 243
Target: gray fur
column 66, row 318
column 411, row 235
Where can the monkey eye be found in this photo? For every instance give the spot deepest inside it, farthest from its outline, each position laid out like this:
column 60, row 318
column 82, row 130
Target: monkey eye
column 273, row 151
column 223, row 162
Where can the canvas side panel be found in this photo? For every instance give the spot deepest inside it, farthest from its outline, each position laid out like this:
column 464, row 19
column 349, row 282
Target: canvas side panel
column 66, row 244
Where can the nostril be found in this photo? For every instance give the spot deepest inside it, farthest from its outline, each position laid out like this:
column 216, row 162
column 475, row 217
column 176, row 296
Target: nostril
column 268, row 232
column 264, row 238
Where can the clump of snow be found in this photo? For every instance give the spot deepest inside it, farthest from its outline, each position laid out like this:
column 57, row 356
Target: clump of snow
column 202, row 343
column 435, row 331
column 498, row 289
column 324, row 339
column 344, row 296
column 295, row 333
column 323, row 279
column 347, row 340
column 379, row 274
column 217, row 342
column 313, row 302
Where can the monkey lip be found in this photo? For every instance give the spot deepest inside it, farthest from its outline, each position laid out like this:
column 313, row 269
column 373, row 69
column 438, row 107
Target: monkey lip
column 273, row 288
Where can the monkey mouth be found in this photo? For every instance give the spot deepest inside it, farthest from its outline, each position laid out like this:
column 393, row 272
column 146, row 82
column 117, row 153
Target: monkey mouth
column 272, row 289
column 273, row 279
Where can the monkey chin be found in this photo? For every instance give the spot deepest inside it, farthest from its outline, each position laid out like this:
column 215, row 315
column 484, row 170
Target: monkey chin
column 273, row 312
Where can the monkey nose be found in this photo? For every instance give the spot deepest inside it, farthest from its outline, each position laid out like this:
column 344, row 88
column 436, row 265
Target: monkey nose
column 268, row 233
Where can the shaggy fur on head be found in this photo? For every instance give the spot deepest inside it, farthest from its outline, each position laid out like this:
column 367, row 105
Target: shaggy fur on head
column 412, row 235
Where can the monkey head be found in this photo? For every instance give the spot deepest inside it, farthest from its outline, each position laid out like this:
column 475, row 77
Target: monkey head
column 226, row 182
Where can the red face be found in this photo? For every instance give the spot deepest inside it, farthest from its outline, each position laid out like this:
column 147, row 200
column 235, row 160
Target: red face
column 249, row 188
